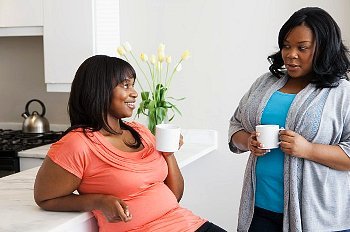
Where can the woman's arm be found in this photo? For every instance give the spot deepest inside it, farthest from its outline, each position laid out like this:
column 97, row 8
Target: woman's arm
column 53, row 191
column 240, row 140
column 248, row 142
column 329, row 155
column 174, row 180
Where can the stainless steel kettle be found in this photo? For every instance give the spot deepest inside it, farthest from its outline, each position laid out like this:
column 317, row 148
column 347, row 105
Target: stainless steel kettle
column 35, row 122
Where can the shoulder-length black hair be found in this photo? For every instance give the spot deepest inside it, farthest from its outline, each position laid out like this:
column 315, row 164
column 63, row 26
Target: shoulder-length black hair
column 331, row 59
column 91, row 94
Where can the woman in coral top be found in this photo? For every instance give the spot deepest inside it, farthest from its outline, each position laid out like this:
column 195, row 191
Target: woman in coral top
column 120, row 177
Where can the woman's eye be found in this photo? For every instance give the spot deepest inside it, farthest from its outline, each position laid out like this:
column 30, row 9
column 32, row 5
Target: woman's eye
column 285, row 46
column 302, row 48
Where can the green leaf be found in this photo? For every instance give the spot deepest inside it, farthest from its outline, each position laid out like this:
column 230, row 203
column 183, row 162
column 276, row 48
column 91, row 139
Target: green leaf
column 152, row 105
column 144, row 96
column 173, row 107
column 160, row 114
column 177, row 99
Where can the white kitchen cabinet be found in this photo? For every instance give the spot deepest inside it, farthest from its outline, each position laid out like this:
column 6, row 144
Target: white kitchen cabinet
column 74, row 31
column 21, row 17
column 26, row 163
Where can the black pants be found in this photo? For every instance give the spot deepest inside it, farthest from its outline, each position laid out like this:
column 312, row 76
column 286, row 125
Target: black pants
column 266, row 221
column 210, row 227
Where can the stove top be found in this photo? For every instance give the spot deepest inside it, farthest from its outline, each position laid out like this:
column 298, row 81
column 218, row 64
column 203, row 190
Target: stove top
column 13, row 141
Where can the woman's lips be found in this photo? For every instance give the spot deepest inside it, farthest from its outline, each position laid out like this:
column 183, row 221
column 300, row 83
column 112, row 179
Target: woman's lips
column 130, row 104
column 292, row 67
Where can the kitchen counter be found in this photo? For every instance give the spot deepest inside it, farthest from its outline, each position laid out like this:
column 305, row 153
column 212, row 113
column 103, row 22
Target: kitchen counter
column 18, row 211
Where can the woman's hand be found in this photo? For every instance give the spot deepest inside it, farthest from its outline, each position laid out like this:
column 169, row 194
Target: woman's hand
column 294, row 144
column 254, row 146
column 114, row 209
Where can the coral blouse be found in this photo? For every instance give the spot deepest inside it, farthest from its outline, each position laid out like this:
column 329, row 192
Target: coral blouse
column 135, row 177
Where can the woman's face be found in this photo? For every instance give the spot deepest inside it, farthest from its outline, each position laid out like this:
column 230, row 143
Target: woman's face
column 123, row 99
column 298, row 51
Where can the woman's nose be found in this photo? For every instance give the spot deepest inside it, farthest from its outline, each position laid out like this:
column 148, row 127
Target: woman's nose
column 292, row 54
column 134, row 93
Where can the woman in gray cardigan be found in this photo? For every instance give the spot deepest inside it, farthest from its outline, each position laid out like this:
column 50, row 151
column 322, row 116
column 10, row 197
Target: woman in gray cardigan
column 304, row 185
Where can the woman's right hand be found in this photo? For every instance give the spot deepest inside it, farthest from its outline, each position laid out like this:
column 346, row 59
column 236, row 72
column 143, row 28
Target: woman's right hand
column 114, row 209
column 254, row 146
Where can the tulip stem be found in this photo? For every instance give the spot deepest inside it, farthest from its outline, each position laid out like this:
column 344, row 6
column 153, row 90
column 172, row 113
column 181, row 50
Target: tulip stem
column 171, row 77
column 166, row 76
column 149, row 85
column 137, row 80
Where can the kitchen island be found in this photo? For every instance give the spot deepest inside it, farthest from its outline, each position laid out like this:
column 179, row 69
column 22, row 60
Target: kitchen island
column 18, row 211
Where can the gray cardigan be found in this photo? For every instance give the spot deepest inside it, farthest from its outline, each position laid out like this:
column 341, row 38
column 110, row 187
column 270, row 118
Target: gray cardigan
column 316, row 197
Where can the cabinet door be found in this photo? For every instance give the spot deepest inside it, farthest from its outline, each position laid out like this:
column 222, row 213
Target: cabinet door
column 21, row 13
column 21, row 18
column 74, row 31
column 68, row 40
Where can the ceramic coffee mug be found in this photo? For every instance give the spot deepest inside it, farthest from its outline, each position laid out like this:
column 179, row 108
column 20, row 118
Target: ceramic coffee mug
column 268, row 135
column 167, row 137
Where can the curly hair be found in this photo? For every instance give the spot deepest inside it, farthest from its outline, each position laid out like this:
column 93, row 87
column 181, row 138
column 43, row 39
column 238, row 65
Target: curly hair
column 331, row 60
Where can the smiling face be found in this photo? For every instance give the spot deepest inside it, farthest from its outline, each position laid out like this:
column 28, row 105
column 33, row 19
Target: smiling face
column 123, row 99
column 298, row 51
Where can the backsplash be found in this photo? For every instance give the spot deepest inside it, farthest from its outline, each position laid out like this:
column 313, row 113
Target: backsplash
column 22, row 79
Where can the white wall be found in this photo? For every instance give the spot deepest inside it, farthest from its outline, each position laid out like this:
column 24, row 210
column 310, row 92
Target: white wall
column 229, row 41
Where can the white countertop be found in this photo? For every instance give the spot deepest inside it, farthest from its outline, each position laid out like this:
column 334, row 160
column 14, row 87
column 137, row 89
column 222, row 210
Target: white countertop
column 18, row 211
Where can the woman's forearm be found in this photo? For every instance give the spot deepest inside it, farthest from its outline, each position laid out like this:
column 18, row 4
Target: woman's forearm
column 329, row 155
column 174, row 180
column 72, row 202
column 240, row 140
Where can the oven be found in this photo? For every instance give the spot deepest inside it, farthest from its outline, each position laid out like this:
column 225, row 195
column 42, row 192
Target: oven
column 14, row 141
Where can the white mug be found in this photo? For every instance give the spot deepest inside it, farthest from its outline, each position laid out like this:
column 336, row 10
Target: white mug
column 167, row 137
column 268, row 135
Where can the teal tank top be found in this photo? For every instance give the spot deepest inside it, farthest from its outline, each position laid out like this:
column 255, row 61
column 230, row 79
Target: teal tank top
column 269, row 168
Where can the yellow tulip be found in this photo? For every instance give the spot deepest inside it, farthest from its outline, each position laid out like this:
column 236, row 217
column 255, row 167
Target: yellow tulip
column 161, row 48
column 161, row 56
column 153, row 59
column 168, row 59
column 144, row 57
column 185, row 55
column 121, row 51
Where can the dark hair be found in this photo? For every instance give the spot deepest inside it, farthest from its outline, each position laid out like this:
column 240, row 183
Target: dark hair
column 331, row 59
column 91, row 94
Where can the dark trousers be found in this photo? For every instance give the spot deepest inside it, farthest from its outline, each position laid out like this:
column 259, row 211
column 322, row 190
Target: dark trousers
column 210, row 227
column 266, row 221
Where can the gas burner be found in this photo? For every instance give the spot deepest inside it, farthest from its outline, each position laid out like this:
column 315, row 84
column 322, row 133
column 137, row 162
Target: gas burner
column 16, row 140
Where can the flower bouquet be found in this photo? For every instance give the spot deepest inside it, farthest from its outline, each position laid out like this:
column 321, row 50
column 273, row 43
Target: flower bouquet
column 158, row 73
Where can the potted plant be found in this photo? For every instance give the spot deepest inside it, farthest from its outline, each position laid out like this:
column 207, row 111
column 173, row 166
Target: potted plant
column 155, row 102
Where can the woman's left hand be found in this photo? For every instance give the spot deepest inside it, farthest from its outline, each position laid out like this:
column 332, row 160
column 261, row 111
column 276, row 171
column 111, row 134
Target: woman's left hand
column 181, row 142
column 294, row 144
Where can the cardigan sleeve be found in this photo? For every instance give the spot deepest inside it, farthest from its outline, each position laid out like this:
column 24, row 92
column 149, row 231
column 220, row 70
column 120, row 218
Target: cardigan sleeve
column 235, row 123
column 344, row 142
